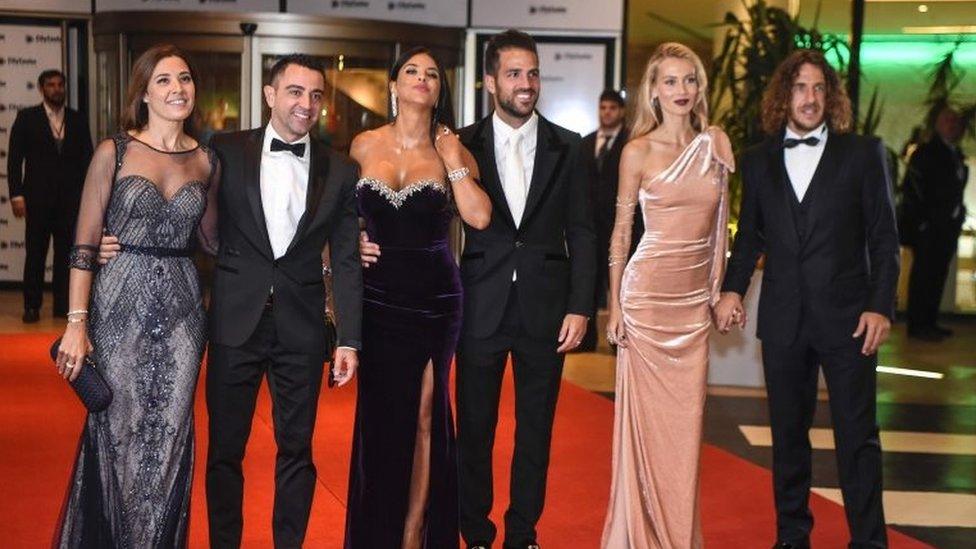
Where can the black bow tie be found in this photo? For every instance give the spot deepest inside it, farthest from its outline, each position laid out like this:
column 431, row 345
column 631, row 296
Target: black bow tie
column 791, row 142
column 298, row 149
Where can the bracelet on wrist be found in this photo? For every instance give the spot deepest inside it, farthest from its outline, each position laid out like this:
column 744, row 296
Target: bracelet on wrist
column 456, row 175
column 77, row 320
column 78, row 312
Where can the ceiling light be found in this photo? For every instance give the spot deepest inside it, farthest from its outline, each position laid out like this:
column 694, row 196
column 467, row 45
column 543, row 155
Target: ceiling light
column 922, row 8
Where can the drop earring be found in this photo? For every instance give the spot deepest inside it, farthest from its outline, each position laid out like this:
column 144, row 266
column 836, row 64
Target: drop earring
column 393, row 103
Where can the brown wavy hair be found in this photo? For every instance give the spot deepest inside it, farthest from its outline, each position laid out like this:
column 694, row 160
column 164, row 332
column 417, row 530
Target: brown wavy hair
column 135, row 114
column 779, row 92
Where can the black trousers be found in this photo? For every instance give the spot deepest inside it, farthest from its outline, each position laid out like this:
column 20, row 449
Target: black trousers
column 930, row 268
column 234, row 375
column 791, row 382
column 44, row 222
column 537, row 368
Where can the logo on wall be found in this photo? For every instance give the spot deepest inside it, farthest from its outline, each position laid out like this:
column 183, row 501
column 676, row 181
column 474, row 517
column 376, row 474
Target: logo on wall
column 406, row 6
column 346, row 4
column 573, row 56
column 19, row 61
column 548, row 10
column 30, row 85
column 43, row 38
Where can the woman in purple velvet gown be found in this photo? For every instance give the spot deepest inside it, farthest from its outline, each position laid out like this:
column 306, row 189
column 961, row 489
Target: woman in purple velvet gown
column 416, row 176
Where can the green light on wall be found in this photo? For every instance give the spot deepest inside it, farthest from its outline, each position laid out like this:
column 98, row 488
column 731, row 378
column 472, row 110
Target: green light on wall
column 913, row 49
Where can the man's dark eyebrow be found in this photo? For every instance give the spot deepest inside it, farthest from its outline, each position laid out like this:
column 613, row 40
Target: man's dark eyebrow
column 295, row 87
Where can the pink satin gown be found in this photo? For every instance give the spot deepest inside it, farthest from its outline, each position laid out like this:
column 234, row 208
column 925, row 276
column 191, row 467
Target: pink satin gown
column 668, row 288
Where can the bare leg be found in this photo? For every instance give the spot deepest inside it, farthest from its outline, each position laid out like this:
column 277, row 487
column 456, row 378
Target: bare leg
column 420, row 477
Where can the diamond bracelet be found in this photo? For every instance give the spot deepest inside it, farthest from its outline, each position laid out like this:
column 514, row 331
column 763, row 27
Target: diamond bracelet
column 456, row 175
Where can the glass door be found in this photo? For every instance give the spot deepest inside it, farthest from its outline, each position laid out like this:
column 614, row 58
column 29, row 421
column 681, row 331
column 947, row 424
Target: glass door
column 355, row 84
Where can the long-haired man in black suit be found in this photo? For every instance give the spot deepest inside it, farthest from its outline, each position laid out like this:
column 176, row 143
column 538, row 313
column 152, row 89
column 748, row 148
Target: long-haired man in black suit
column 817, row 203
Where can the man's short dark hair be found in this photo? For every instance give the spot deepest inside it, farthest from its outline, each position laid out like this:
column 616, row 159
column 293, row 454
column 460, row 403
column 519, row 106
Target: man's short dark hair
column 300, row 59
column 612, row 95
column 510, row 39
column 47, row 75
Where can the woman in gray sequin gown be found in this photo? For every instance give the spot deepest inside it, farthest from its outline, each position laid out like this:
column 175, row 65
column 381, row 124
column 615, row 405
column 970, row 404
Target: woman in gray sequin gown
column 149, row 186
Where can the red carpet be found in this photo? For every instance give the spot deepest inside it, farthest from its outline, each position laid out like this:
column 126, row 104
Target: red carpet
column 40, row 421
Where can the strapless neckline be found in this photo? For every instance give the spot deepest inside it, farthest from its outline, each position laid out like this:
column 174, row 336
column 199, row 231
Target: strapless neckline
column 396, row 197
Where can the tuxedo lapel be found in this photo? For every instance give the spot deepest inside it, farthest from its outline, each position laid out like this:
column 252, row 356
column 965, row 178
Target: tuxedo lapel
column 549, row 151
column 252, row 186
column 782, row 191
column 318, row 168
column 483, row 148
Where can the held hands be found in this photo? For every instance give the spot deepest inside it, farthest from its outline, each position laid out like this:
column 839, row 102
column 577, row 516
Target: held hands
column 369, row 252
column 875, row 328
column 108, row 249
column 344, row 365
column 616, row 335
column 571, row 333
column 729, row 312
column 449, row 148
column 75, row 346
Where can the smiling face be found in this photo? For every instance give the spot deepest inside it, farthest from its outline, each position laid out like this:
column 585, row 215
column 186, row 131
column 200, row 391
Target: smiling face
column 808, row 99
column 418, row 81
column 295, row 100
column 515, row 86
column 676, row 86
column 170, row 93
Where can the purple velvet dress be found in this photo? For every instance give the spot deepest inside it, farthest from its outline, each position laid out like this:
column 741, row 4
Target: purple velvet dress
column 411, row 317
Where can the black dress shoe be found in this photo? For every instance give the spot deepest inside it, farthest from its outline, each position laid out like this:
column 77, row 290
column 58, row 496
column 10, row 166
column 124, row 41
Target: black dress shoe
column 790, row 545
column 529, row 545
column 31, row 315
column 926, row 334
column 946, row 332
column 479, row 545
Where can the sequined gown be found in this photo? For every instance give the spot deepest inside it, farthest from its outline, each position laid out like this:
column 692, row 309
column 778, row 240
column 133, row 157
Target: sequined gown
column 130, row 486
column 667, row 291
column 411, row 318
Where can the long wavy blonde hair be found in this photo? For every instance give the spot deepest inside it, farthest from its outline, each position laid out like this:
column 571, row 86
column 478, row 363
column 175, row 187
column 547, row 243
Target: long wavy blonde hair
column 647, row 112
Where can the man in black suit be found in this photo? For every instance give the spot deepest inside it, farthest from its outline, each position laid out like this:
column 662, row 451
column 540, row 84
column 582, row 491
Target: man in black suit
column 817, row 202
column 283, row 196
column 50, row 148
column 934, row 183
column 528, row 289
column 601, row 158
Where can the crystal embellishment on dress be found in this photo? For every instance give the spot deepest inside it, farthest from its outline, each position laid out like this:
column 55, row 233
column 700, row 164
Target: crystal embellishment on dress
column 396, row 198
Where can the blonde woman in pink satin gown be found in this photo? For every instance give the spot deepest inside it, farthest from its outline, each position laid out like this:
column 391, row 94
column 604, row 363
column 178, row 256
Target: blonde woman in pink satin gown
column 676, row 168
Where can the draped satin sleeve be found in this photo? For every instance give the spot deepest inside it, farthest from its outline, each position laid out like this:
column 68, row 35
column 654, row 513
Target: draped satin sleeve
column 94, row 202
column 721, row 149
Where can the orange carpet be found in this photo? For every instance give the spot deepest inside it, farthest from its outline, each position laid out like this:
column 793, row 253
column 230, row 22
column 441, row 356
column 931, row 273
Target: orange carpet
column 40, row 421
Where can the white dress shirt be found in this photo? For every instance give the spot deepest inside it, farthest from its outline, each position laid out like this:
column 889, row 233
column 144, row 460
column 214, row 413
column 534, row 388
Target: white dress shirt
column 503, row 133
column 528, row 132
column 284, row 184
column 55, row 119
column 802, row 160
column 606, row 135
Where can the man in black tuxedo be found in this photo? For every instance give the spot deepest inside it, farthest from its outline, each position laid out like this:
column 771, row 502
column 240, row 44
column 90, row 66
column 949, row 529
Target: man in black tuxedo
column 49, row 151
column 283, row 196
column 934, row 182
column 817, row 202
column 528, row 289
column 601, row 158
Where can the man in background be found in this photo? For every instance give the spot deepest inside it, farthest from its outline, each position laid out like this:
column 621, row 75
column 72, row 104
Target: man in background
column 934, row 184
column 601, row 157
column 50, row 147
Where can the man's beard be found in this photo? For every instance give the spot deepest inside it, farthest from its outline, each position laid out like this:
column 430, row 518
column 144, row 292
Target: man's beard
column 802, row 126
column 56, row 100
column 508, row 105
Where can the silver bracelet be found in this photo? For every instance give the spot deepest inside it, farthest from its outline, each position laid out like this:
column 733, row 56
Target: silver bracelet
column 77, row 312
column 456, row 175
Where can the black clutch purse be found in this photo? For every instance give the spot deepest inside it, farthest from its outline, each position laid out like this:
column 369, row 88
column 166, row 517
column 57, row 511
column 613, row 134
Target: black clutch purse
column 330, row 338
column 90, row 386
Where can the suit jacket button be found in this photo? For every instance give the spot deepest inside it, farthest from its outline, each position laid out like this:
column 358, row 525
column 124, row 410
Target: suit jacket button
column 519, row 244
column 274, row 263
